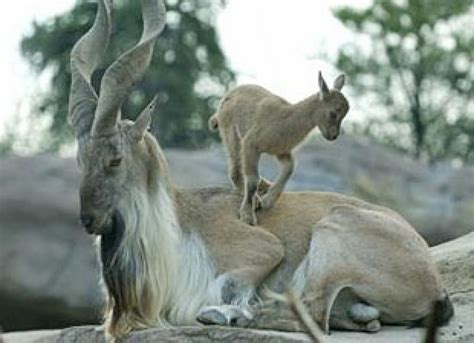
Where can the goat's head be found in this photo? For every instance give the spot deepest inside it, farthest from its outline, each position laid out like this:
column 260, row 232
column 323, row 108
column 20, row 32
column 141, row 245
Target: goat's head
column 334, row 107
column 112, row 152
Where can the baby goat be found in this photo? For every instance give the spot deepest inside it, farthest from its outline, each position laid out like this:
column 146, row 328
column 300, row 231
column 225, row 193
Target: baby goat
column 251, row 121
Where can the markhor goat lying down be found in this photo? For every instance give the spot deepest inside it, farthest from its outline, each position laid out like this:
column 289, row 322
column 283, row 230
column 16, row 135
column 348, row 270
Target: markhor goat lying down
column 251, row 121
column 180, row 257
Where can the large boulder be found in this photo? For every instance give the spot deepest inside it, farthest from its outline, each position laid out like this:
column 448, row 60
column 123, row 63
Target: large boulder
column 454, row 259
column 49, row 277
column 48, row 270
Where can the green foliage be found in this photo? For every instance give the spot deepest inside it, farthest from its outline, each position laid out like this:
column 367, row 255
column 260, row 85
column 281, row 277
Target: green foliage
column 188, row 70
column 412, row 66
column 6, row 145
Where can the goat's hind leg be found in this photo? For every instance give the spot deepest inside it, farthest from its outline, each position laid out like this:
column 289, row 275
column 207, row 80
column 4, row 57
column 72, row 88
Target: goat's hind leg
column 275, row 315
column 250, row 157
column 271, row 315
column 350, row 325
column 359, row 317
column 269, row 199
column 232, row 142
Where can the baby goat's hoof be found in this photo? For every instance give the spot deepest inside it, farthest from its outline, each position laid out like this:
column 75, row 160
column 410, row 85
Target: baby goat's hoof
column 263, row 186
column 248, row 218
column 267, row 202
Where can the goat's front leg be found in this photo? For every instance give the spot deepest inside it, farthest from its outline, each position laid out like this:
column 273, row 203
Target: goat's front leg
column 269, row 199
column 250, row 158
column 233, row 145
column 242, row 265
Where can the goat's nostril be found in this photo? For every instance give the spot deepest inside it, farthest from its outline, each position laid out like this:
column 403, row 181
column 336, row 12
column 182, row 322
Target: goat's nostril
column 87, row 221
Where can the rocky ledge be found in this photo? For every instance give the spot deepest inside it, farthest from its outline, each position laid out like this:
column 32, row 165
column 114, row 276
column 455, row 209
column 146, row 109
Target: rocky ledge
column 455, row 260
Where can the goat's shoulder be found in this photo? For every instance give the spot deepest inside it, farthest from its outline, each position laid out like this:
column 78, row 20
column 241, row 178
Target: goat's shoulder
column 250, row 89
column 212, row 214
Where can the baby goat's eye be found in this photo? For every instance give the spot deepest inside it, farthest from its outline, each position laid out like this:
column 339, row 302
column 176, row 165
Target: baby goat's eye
column 115, row 162
column 333, row 115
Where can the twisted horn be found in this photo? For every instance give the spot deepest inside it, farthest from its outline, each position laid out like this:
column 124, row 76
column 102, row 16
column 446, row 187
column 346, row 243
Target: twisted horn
column 120, row 77
column 86, row 54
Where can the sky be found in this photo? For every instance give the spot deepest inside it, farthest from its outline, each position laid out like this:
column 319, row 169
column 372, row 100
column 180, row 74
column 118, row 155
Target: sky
column 266, row 42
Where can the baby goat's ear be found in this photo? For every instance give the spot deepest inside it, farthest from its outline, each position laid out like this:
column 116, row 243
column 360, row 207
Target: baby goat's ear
column 323, row 87
column 138, row 129
column 339, row 82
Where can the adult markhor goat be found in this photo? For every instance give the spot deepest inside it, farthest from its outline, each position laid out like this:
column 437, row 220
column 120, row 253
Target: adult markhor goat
column 172, row 256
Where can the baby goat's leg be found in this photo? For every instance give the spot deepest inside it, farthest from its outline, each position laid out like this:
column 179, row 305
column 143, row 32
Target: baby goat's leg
column 269, row 199
column 250, row 158
column 235, row 171
column 235, row 164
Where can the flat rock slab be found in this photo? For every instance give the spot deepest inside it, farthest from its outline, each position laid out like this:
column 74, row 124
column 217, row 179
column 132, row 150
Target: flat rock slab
column 455, row 261
column 91, row 334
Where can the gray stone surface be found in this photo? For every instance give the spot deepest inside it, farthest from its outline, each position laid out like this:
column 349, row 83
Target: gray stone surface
column 455, row 261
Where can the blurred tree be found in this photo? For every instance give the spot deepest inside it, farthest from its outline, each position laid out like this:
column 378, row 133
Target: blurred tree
column 188, row 70
column 412, row 61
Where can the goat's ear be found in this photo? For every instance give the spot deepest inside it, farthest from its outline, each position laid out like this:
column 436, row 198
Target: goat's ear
column 323, row 87
column 339, row 82
column 138, row 129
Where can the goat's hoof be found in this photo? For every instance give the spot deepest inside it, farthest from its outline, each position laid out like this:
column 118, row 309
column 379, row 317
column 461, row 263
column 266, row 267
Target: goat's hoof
column 373, row 326
column 257, row 204
column 263, row 186
column 225, row 315
column 248, row 218
column 267, row 202
column 212, row 316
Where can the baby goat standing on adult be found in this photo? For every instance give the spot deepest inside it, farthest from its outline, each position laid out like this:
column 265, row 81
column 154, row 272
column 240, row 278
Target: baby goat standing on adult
column 251, row 121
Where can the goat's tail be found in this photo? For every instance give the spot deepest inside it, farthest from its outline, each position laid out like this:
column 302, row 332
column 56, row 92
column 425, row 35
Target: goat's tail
column 447, row 310
column 442, row 312
column 213, row 123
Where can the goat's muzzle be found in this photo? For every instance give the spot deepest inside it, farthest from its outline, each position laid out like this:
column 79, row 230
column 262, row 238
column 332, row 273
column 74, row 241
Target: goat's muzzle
column 96, row 225
column 331, row 137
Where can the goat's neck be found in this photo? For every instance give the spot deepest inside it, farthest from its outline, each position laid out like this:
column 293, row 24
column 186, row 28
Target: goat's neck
column 141, row 268
column 308, row 112
column 145, row 265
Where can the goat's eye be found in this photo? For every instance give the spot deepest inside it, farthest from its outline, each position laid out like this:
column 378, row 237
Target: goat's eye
column 333, row 115
column 115, row 162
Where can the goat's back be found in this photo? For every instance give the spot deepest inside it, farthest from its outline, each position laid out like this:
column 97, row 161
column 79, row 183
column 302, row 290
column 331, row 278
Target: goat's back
column 245, row 105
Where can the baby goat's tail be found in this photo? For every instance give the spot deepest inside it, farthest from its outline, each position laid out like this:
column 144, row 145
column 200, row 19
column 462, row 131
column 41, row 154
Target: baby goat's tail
column 213, row 123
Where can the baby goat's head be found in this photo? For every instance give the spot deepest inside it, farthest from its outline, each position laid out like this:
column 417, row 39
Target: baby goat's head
column 112, row 154
column 333, row 107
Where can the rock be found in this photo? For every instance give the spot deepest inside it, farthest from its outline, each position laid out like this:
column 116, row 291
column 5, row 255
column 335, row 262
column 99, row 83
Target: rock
column 49, row 276
column 91, row 334
column 455, row 260
column 29, row 336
